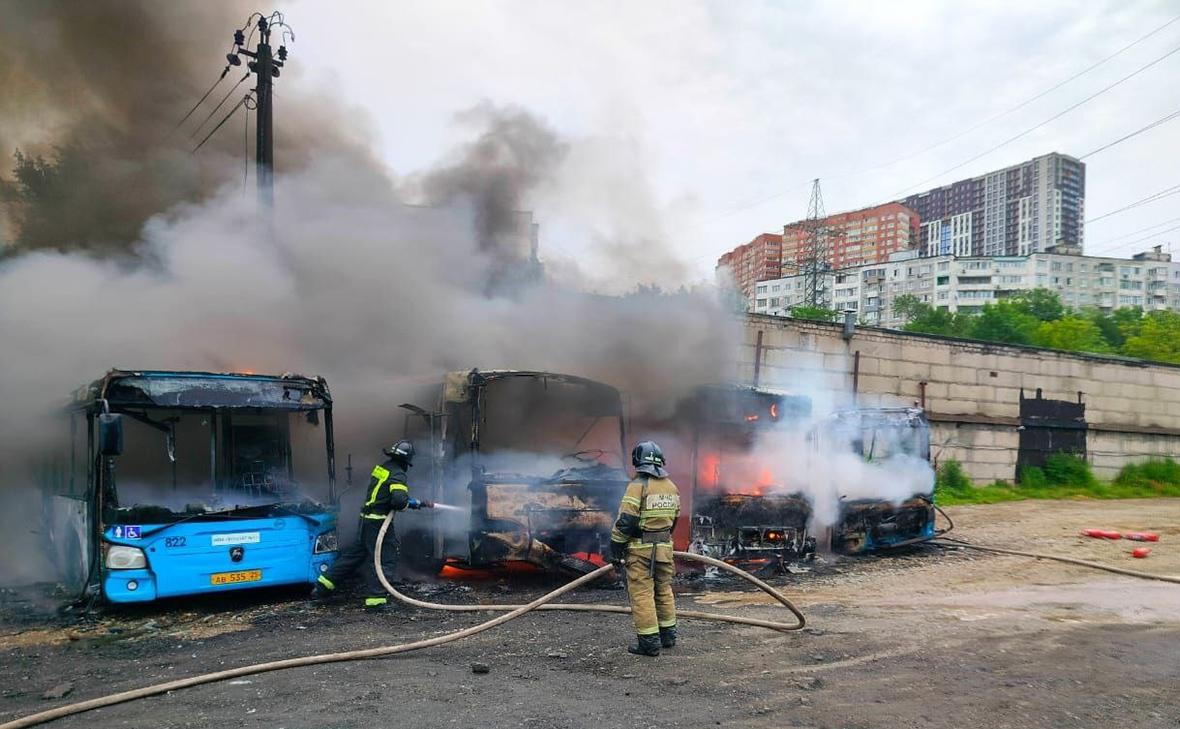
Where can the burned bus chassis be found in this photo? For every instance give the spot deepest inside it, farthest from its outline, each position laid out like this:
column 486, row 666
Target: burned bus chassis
column 554, row 516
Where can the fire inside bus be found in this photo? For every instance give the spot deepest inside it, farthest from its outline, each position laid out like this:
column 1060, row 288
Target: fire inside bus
column 184, row 483
column 742, row 512
column 534, row 460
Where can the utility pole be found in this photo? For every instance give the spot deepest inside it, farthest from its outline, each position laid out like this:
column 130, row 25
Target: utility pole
column 265, row 67
column 816, row 265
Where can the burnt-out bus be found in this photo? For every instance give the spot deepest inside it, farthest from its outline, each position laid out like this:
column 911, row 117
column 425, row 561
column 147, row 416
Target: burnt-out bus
column 533, row 461
column 185, row 483
column 728, row 441
column 897, row 440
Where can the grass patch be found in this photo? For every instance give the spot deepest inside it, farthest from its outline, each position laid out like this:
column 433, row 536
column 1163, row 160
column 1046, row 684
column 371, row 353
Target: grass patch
column 1064, row 476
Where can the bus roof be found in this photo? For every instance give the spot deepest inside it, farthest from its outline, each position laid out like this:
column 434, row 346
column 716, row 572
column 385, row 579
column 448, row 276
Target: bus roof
column 179, row 389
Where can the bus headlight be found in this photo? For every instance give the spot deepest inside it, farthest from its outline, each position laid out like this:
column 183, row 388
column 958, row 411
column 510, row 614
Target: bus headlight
column 121, row 557
column 325, row 542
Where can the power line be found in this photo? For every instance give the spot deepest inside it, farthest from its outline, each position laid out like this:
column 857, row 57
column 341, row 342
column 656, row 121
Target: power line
column 1129, row 243
column 219, row 104
column 1141, row 230
column 1017, row 107
column 237, row 106
column 1035, row 127
column 224, row 71
column 1142, row 201
column 972, row 128
column 1135, row 133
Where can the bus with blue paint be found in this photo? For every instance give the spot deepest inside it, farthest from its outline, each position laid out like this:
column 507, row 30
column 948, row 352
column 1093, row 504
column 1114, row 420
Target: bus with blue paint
column 188, row 483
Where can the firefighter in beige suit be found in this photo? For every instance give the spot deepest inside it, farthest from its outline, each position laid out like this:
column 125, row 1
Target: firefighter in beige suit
column 642, row 542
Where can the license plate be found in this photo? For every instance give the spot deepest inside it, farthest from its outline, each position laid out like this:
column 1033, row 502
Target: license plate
column 231, row 578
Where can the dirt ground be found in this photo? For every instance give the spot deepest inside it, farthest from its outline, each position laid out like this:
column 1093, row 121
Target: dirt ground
column 929, row 637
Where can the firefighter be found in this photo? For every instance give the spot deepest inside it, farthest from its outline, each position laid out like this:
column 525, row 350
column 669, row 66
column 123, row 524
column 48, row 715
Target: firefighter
column 387, row 492
column 641, row 543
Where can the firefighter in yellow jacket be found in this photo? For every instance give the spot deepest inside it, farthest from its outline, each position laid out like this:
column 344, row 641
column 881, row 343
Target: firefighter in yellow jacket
column 642, row 542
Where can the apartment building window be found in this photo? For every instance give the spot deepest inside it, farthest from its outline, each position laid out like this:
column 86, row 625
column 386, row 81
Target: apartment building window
column 776, row 287
column 761, row 303
column 761, row 290
column 1129, row 285
column 1056, row 265
column 774, row 303
column 946, row 266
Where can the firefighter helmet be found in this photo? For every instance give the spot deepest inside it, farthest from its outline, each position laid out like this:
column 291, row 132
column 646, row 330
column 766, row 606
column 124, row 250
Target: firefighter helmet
column 403, row 451
column 647, row 457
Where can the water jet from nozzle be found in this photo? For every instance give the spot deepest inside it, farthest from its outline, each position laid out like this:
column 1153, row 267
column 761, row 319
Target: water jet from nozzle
column 446, row 507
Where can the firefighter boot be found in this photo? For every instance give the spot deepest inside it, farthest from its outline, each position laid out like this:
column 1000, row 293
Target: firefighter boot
column 648, row 645
column 322, row 590
column 668, row 637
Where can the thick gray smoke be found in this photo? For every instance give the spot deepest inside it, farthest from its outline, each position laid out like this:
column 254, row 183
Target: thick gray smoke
column 91, row 93
column 353, row 284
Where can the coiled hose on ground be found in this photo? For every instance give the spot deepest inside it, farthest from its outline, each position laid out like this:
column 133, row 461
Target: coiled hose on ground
column 511, row 613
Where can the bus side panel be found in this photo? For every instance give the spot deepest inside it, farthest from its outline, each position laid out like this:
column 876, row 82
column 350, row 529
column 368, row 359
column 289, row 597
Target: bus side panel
column 215, row 556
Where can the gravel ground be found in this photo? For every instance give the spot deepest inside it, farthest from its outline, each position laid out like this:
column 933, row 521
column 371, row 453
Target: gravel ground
column 925, row 638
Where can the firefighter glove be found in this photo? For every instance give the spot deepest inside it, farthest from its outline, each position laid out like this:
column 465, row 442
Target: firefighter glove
column 618, row 551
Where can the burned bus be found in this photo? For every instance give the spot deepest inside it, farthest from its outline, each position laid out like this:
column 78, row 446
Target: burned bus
column 737, row 506
column 186, row 483
column 534, row 461
column 733, row 437
column 897, row 439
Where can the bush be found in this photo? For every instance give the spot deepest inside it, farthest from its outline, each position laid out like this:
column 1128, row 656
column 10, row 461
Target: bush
column 1069, row 469
column 951, row 480
column 1156, row 474
column 1032, row 478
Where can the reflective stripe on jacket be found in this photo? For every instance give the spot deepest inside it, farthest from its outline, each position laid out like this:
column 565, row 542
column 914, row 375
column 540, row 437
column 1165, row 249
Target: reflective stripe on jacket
column 387, row 491
column 649, row 505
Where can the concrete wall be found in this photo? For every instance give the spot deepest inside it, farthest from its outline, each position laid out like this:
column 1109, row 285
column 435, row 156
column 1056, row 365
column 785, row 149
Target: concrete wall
column 971, row 390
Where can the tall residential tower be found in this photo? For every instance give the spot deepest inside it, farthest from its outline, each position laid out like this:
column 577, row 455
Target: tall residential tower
column 1023, row 209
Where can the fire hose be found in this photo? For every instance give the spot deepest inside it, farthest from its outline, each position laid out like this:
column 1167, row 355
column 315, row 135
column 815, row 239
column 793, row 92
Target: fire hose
column 511, row 612
column 948, row 542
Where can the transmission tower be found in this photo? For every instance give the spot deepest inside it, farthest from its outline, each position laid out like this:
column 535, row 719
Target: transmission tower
column 816, row 250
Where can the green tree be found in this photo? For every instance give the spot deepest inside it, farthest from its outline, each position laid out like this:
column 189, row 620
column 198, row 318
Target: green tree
column 815, row 313
column 1040, row 303
column 922, row 317
column 1073, row 333
column 1006, row 321
column 1156, row 337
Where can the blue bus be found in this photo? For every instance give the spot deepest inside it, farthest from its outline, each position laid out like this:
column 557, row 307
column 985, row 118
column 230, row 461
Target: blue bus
column 189, row 483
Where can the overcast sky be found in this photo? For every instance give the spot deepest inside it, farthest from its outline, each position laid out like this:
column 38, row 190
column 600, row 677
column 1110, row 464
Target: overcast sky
column 709, row 119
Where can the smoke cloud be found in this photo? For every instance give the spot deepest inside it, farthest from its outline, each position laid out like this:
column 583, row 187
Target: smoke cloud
column 356, row 279
column 91, row 94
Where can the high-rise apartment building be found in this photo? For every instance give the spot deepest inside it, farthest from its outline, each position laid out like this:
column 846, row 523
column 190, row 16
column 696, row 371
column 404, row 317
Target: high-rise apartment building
column 853, row 238
column 758, row 260
column 1022, row 209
